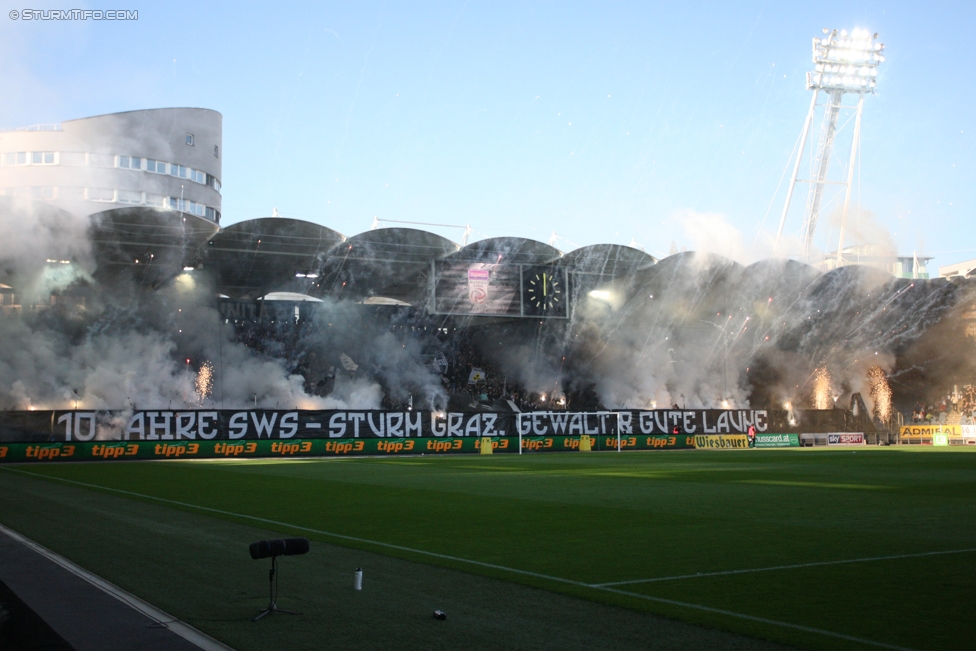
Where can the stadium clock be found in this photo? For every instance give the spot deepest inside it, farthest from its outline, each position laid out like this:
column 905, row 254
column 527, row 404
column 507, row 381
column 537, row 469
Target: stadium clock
column 544, row 292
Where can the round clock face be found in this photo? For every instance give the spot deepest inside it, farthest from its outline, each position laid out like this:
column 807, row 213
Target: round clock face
column 544, row 291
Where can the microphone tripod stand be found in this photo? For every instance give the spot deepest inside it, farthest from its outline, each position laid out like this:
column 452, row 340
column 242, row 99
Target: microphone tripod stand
column 272, row 606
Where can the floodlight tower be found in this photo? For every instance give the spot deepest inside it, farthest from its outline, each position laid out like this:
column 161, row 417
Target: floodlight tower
column 844, row 64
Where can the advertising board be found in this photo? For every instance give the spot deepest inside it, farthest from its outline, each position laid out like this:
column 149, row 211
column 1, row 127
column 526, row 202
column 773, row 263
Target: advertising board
column 49, row 451
column 721, row 441
column 927, row 431
column 841, row 438
column 477, row 288
column 777, row 441
column 145, row 450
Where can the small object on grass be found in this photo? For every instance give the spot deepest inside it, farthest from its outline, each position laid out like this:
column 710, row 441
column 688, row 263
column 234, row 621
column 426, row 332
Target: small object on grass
column 358, row 582
column 440, row 614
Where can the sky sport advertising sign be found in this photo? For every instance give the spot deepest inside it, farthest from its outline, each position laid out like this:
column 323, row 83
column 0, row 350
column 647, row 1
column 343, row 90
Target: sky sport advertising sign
column 841, row 438
column 777, row 441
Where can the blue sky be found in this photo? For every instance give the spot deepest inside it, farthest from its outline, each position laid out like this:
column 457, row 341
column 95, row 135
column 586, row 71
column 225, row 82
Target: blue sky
column 604, row 122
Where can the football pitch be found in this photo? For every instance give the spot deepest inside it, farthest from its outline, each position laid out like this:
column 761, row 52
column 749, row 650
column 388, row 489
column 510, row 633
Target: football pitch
column 815, row 549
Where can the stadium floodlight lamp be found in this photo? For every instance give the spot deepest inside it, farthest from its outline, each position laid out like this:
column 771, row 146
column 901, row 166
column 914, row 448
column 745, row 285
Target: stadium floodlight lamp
column 846, row 63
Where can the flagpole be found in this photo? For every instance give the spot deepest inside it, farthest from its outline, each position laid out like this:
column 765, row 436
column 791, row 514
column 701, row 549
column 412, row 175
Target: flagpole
column 618, row 431
column 518, row 425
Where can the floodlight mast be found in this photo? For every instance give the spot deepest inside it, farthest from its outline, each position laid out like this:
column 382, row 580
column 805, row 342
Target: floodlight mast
column 844, row 64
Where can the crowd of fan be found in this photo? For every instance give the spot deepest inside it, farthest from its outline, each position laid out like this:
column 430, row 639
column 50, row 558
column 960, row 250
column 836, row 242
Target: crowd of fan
column 962, row 402
column 468, row 372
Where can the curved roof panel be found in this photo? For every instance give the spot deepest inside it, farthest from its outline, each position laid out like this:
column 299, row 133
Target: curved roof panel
column 686, row 285
column 390, row 262
column 607, row 259
column 395, row 245
column 507, row 250
column 257, row 256
column 148, row 245
column 861, row 308
column 776, row 279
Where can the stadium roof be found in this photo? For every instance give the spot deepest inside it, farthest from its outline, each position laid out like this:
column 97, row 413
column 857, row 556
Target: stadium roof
column 146, row 244
column 257, row 256
column 387, row 262
column 507, row 250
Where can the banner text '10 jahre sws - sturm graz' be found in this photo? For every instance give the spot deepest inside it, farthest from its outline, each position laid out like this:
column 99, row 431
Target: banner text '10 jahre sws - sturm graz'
column 250, row 424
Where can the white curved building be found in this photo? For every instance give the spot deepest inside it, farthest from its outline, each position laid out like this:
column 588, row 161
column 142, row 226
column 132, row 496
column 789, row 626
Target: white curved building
column 166, row 158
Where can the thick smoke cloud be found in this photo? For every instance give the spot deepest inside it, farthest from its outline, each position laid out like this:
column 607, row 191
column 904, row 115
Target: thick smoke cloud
column 695, row 329
column 699, row 330
column 120, row 346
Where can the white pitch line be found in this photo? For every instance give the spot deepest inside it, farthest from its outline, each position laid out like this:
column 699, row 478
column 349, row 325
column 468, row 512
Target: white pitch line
column 160, row 617
column 556, row 579
column 699, row 575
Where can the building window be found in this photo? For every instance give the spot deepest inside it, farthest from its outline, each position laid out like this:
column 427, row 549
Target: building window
column 198, row 176
column 101, row 194
column 189, row 139
column 216, row 152
column 42, row 158
column 15, row 158
column 130, row 162
column 155, row 166
column 71, row 158
column 41, row 193
column 177, row 170
column 213, row 182
column 101, row 160
column 157, row 200
column 130, row 196
column 71, row 193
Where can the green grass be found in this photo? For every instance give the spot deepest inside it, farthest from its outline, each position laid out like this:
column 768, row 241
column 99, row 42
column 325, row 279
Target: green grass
column 572, row 520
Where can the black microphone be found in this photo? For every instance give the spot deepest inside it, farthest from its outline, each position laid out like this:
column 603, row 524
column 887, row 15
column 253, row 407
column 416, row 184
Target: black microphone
column 279, row 547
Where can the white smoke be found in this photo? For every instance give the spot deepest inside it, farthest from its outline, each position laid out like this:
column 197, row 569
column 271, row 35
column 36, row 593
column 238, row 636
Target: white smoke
column 75, row 344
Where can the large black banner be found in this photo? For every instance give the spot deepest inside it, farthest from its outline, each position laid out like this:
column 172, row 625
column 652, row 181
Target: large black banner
column 252, row 424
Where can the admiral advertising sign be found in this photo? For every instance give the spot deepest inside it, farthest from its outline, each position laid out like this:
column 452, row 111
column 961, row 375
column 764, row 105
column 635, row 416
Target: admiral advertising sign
column 939, row 434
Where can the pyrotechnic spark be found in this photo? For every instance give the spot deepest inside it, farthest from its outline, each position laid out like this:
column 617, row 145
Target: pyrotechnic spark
column 204, row 381
column 821, row 389
column 880, row 393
